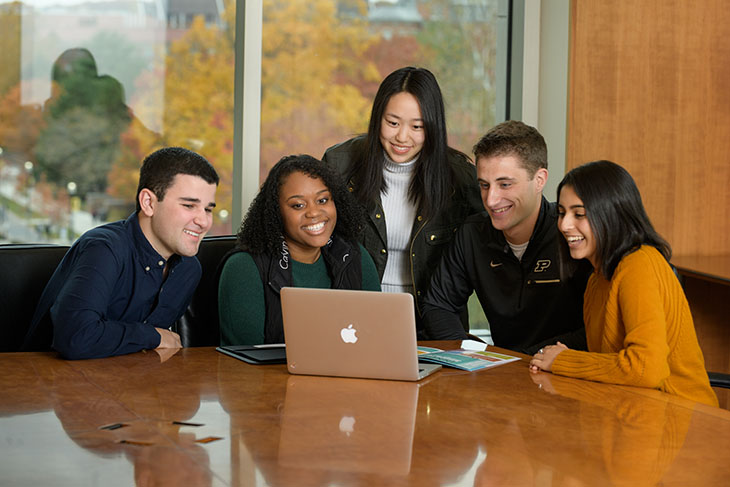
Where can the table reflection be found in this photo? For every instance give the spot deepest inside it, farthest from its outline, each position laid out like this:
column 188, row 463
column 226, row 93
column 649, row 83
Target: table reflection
column 162, row 451
column 348, row 425
column 144, row 419
column 467, row 434
column 632, row 439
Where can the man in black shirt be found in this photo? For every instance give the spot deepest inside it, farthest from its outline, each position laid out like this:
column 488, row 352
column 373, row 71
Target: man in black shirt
column 509, row 254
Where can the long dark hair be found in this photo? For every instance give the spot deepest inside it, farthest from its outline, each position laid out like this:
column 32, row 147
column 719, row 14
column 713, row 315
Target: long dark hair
column 262, row 230
column 615, row 213
column 430, row 186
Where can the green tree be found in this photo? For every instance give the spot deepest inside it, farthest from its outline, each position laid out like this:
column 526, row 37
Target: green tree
column 85, row 118
column 458, row 43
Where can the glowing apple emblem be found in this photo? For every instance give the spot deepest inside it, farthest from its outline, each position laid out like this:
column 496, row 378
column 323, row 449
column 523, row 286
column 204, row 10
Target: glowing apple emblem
column 347, row 425
column 348, row 334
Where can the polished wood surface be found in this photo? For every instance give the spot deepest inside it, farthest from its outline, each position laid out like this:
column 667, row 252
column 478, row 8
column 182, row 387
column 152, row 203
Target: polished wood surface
column 649, row 90
column 197, row 417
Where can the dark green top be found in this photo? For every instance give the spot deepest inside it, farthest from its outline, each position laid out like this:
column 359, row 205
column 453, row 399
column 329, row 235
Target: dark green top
column 241, row 307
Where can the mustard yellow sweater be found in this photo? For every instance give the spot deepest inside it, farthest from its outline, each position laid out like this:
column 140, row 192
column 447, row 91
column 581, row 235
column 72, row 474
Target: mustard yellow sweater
column 640, row 331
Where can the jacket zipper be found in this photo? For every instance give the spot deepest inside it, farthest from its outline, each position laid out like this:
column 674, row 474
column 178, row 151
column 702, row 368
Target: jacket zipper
column 410, row 258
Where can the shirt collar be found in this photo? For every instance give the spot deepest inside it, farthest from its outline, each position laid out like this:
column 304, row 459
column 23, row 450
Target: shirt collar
column 147, row 256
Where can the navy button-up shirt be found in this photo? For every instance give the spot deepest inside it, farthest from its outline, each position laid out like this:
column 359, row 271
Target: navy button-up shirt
column 109, row 293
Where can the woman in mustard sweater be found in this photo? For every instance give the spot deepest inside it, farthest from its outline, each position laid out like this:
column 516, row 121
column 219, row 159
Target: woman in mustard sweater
column 639, row 328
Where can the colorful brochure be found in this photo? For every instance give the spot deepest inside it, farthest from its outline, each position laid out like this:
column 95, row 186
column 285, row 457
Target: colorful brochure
column 464, row 359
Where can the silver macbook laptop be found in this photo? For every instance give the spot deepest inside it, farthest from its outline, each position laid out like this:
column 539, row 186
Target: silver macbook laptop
column 348, row 425
column 345, row 333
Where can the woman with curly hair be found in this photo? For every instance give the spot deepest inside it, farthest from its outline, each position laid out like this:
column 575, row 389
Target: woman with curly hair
column 300, row 231
column 416, row 190
column 639, row 327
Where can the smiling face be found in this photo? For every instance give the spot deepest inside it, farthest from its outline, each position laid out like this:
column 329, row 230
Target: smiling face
column 308, row 214
column 177, row 223
column 575, row 227
column 511, row 197
column 401, row 129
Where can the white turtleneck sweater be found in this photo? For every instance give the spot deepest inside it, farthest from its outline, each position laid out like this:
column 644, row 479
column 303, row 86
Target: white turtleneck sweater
column 400, row 213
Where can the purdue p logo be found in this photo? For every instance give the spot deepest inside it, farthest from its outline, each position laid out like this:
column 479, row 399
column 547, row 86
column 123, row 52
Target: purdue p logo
column 542, row 265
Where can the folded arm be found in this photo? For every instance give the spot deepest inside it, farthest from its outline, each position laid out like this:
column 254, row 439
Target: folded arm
column 641, row 355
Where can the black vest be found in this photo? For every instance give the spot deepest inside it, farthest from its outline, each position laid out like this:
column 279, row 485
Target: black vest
column 344, row 265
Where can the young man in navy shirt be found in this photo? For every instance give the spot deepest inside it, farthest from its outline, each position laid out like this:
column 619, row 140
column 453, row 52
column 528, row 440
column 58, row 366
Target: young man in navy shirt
column 122, row 285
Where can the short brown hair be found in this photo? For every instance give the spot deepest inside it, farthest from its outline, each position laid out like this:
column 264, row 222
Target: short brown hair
column 514, row 138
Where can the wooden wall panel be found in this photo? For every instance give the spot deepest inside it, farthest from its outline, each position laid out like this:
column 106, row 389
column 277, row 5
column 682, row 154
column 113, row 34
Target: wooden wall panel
column 650, row 90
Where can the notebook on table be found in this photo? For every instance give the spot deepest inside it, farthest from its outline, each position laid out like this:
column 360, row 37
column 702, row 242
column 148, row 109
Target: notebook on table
column 344, row 333
column 256, row 354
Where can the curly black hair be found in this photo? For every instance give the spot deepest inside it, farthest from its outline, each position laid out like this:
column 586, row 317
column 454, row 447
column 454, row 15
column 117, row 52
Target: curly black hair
column 262, row 230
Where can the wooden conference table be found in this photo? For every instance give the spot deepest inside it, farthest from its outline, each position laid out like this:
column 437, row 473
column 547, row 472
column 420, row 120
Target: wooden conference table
column 198, row 417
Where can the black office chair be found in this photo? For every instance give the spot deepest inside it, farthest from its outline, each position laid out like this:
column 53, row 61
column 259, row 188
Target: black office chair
column 718, row 379
column 24, row 272
column 199, row 327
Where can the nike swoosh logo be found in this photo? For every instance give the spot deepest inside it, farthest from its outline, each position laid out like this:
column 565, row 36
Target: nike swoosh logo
column 492, row 264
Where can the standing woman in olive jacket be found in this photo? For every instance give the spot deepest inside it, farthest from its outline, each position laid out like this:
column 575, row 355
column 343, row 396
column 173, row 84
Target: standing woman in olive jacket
column 403, row 169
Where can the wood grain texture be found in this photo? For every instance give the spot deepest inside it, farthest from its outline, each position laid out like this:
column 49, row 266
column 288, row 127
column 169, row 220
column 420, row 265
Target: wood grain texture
column 650, row 90
column 502, row 426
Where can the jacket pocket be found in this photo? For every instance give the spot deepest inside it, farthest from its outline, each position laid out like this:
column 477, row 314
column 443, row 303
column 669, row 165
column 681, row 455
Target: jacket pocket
column 439, row 236
column 543, row 282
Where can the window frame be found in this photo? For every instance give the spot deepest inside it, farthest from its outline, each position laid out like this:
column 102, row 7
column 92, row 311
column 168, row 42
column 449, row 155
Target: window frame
column 247, row 91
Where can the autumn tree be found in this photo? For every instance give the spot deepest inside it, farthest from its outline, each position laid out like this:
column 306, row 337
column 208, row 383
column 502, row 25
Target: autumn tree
column 314, row 60
column 458, row 43
column 10, row 20
column 198, row 109
column 311, row 67
column 20, row 125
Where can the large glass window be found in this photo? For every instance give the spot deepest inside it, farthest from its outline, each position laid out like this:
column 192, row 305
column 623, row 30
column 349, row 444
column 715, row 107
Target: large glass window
column 324, row 59
column 88, row 88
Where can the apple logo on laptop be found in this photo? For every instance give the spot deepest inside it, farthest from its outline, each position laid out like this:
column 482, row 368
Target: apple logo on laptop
column 347, row 425
column 348, row 334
